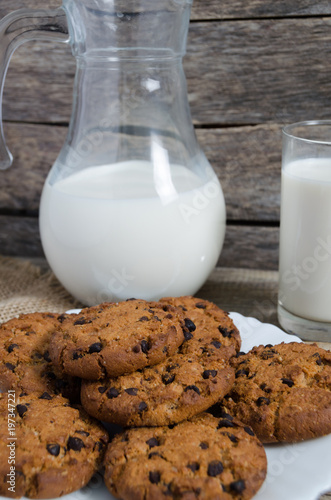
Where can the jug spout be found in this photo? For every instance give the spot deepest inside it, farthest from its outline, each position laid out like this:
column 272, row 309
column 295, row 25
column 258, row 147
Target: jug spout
column 130, row 28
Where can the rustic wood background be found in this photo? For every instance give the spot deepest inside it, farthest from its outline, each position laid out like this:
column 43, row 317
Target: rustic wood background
column 251, row 67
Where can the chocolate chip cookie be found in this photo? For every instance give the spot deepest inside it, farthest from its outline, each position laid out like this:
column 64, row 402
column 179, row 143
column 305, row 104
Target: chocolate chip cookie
column 283, row 391
column 205, row 458
column 208, row 318
column 25, row 361
column 49, row 449
column 116, row 338
column 188, row 382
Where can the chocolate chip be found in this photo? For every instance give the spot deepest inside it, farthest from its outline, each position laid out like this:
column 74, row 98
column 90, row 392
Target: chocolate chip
column 204, row 445
column 36, row 355
column 102, row 389
column 154, row 477
column 46, row 357
column 225, row 332
column 232, row 437
column 319, row 361
column 238, row 486
column 45, row 395
column 12, row 347
column 143, row 318
column 243, row 371
column 168, row 378
column 194, row 466
column 61, row 318
column 154, row 454
column 75, row 444
column 112, row 393
column 142, row 406
column 224, row 422
column 200, row 305
column 77, row 355
column 168, row 492
column 216, row 344
column 249, row 430
column 53, row 449
column 187, row 335
column 240, row 353
column 219, row 412
column 153, row 442
column 97, row 347
column 168, row 316
column 172, row 367
column 209, row 373
column 268, row 354
column 262, row 401
column 132, row 391
column 10, row 366
column 21, row 410
column 215, row 468
column 190, row 325
column 83, row 433
column 268, row 345
column 136, row 348
column 145, row 346
column 80, row 321
column 288, row 382
column 99, row 445
column 192, row 388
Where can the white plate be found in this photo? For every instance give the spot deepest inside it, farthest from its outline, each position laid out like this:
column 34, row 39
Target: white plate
column 295, row 472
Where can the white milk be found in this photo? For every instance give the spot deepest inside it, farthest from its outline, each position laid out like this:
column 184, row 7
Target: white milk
column 119, row 231
column 305, row 239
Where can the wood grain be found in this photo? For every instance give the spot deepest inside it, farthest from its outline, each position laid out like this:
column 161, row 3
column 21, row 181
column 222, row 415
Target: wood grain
column 239, row 9
column 238, row 72
column 246, row 160
column 213, row 9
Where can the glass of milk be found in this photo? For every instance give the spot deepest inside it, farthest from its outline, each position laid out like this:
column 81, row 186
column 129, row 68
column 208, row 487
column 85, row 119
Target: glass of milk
column 304, row 302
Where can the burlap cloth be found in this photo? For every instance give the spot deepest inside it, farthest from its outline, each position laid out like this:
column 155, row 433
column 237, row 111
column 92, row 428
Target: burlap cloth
column 26, row 288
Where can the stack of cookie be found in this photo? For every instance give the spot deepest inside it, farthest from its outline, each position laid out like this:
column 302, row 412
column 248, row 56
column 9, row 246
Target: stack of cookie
column 193, row 409
column 154, row 368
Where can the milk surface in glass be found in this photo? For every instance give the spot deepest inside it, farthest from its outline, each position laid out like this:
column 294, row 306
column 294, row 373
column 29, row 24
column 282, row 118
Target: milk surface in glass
column 305, row 239
column 126, row 230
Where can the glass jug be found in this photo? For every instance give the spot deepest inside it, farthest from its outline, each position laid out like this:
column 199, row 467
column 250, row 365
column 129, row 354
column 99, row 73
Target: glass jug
column 131, row 207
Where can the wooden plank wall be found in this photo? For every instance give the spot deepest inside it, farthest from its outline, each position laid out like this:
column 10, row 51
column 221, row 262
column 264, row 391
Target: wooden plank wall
column 251, row 67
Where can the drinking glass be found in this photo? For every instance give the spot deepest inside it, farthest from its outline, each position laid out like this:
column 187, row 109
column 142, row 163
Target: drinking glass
column 304, row 302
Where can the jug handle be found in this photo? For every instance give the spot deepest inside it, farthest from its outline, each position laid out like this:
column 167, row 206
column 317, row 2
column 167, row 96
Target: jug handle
column 16, row 28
